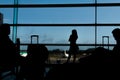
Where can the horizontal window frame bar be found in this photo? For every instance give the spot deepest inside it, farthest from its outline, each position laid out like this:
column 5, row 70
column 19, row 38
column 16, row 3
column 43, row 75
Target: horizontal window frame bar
column 58, row 5
column 53, row 44
column 64, row 25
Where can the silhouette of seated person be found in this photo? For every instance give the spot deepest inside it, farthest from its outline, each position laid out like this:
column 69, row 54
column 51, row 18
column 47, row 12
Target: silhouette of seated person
column 99, row 56
column 81, row 70
column 116, row 49
column 34, row 66
column 73, row 46
column 7, row 49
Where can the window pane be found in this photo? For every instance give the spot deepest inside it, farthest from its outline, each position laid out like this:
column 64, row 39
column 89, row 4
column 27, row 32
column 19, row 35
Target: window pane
column 54, row 1
column 6, row 1
column 108, row 1
column 56, row 34
column 106, row 31
column 108, row 15
column 7, row 15
column 56, row 15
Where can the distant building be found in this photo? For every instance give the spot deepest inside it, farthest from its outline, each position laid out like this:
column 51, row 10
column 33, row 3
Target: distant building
column 1, row 18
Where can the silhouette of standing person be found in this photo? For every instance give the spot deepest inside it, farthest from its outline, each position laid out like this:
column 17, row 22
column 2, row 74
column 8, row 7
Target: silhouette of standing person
column 116, row 49
column 7, row 49
column 73, row 46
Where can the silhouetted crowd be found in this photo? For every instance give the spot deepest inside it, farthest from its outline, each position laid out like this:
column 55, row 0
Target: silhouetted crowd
column 33, row 66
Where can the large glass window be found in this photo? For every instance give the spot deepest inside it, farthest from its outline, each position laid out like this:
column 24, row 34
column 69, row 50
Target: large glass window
column 64, row 15
column 56, row 34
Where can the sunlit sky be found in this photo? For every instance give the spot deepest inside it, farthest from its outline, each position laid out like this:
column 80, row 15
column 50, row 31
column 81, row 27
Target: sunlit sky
column 74, row 15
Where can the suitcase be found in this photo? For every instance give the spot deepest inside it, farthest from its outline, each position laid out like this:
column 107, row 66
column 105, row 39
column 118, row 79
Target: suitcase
column 34, row 44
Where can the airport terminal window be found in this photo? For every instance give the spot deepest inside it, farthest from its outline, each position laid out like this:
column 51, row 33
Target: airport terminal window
column 65, row 15
column 53, row 21
column 56, row 34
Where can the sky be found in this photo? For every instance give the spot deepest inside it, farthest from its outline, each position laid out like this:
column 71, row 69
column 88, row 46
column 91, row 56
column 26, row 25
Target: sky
column 76, row 15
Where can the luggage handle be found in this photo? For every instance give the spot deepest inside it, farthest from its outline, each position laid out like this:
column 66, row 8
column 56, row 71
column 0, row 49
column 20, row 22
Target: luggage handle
column 34, row 36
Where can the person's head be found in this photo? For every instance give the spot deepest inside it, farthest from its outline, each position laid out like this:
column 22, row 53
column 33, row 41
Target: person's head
column 74, row 31
column 5, row 29
column 116, row 34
